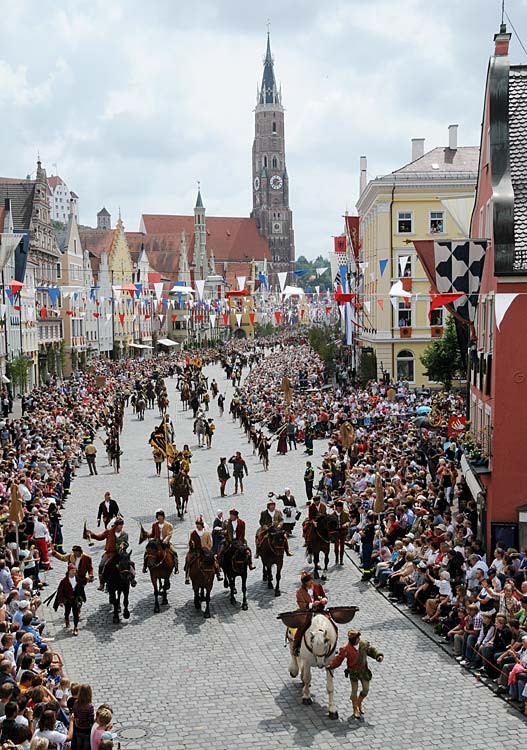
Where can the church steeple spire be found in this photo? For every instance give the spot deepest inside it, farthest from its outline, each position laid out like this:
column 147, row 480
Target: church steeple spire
column 269, row 93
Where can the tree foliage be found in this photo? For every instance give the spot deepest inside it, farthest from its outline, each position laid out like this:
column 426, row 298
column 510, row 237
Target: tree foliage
column 442, row 358
column 326, row 343
column 310, row 278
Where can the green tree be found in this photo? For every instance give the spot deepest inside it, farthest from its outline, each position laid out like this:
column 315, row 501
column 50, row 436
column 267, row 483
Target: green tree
column 442, row 358
column 326, row 343
column 18, row 371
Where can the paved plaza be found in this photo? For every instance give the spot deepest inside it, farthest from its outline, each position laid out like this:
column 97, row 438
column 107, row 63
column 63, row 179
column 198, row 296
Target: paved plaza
column 176, row 680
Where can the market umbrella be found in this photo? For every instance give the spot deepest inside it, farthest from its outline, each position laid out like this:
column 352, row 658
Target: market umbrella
column 423, row 409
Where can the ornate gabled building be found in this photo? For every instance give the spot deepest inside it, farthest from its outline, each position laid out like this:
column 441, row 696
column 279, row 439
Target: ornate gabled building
column 270, row 187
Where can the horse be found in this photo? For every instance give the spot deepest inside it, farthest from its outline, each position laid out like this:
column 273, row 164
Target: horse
column 271, row 552
column 201, row 571
column 162, row 404
column 117, row 576
column 200, row 429
column 180, row 490
column 235, row 562
column 150, row 395
column 322, row 535
column 160, row 561
column 185, row 396
column 318, row 647
column 140, row 407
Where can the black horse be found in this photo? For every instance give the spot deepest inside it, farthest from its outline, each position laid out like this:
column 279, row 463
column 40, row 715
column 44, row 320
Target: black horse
column 235, row 563
column 117, row 576
column 271, row 552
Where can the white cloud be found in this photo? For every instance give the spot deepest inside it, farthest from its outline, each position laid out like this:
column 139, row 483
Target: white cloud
column 137, row 101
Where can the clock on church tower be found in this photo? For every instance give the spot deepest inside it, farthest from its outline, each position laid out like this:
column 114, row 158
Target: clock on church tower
column 270, row 183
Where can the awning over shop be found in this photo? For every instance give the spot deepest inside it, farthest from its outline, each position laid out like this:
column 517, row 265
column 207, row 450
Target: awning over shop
column 141, row 346
column 473, row 483
column 167, row 342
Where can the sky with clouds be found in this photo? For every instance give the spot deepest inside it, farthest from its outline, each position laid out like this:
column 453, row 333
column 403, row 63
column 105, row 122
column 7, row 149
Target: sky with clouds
column 134, row 102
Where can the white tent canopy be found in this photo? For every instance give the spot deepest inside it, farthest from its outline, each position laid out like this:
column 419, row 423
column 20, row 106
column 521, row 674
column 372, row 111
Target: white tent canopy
column 167, row 342
column 140, row 346
column 296, row 290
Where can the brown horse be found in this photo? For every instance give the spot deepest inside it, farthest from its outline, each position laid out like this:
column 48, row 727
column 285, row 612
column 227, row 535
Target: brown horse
column 160, row 562
column 271, row 552
column 201, row 571
column 322, row 535
column 180, row 489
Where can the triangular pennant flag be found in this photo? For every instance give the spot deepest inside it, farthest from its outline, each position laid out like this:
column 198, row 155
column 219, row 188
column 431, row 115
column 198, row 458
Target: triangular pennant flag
column 225, row 319
column 117, row 293
column 158, row 289
column 241, row 282
column 367, row 305
column 212, row 318
column 251, row 318
column 173, row 318
column 501, row 305
column 53, row 294
column 121, row 318
column 200, row 286
column 282, row 276
column 43, row 313
column 69, row 312
column 238, row 319
column 317, row 288
column 438, row 300
column 398, row 290
column 199, row 316
column 363, row 266
column 320, row 271
column 380, row 302
column 277, row 316
column 108, row 316
column 382, row 265
column 395, row 303
column 403, row 260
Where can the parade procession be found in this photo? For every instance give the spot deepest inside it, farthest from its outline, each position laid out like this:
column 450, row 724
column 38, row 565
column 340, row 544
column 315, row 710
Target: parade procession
column 261, row 486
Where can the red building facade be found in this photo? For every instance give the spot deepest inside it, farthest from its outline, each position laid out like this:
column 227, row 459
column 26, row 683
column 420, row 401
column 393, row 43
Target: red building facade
column 498, row 357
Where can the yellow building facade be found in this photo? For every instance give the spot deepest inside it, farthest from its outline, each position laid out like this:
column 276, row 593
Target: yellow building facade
column 427, row 199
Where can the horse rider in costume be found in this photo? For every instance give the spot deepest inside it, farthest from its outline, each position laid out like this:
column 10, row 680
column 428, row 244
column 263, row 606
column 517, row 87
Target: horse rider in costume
column 316, row 509
column 234, row 531
column 270, row 518
column 356, row 653
column 200, row 541
column 161, row 532
column 116, row 540
column 311, row 598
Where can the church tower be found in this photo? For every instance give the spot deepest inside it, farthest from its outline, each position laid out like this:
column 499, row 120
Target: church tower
column 271, row 209
column 199, row 260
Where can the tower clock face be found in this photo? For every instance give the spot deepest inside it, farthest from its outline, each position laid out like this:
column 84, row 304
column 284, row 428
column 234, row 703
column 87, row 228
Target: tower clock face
column 276, row 182
column 277, row 227
column 256, row 183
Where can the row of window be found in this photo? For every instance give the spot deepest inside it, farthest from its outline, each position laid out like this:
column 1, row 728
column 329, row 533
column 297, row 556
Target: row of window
column 481, row 423
column 276, row 163
column 405, row 316
column 405, row 222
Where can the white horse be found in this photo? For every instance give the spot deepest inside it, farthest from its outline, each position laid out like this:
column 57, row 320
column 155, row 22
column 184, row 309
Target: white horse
column 317, row 649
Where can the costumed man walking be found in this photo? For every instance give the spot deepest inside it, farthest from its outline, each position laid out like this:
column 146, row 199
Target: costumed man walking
column 238, row 468
column 343, row 524
column 223, row 474
column 271, row 517
column 162, row 532
column 83, row 563
column 309, row 478
column 356, row 653
column 115, row 540
column 234, row 530
column 108, row 509
column 90, row 451
column 312, row 598
column 70, row 595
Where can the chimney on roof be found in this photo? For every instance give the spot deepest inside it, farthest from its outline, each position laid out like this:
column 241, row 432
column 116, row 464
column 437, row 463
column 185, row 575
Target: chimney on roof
column 363, row 174
column 452, row 137
column 418, row 148
column 501, row 42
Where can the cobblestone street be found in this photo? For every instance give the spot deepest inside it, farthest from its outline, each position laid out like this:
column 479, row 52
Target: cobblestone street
column 224, row 683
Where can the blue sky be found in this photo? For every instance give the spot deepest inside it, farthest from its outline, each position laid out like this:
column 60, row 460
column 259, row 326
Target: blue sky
column 135, row 102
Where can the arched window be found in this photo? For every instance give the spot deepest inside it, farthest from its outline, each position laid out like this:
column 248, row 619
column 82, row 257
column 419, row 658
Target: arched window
column 274, row 127
column 406, row 365
column 265, row 161
column 275, row 162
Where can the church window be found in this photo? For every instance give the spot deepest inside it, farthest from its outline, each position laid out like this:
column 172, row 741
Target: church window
column 274, row 127
column 275, row 162
column 265, row 161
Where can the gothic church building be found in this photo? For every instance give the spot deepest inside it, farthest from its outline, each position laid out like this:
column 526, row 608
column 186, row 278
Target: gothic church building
column 228, row 245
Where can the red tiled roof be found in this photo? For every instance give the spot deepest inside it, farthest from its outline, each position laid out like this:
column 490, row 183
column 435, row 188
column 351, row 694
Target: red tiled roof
column 97, row 242
column 231, row 238
column 55, row 180
column 162, row 251
column 6, row 180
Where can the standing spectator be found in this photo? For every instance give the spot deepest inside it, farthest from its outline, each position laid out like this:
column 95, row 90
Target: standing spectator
column 41, row 538
column 309, row 478
column 83, row 716
column 108, row 509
